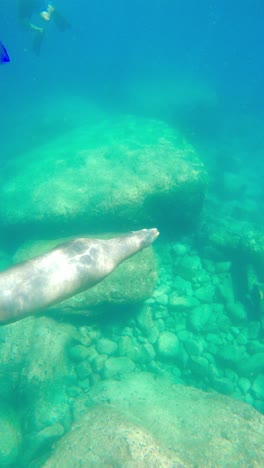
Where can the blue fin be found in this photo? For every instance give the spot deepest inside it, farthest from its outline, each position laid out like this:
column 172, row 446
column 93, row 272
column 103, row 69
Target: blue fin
column 4, row 57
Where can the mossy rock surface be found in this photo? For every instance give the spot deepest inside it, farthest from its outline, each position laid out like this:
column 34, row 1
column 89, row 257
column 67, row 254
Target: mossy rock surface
column 194, row 428
column 122, row 173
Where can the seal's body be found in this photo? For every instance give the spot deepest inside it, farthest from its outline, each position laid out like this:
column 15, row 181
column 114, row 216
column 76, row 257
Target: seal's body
column 66, row 270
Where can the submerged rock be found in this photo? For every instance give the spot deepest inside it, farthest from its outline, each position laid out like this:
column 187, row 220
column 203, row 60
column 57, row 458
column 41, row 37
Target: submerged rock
column 116, row 366
column 10, row 436
column 105, row 438
column 150, row 421
column 167, row 345
column 122, row 173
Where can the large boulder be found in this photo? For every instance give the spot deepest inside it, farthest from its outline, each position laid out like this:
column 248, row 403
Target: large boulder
column 105, row 438
column 142, row 415
column 119, row 174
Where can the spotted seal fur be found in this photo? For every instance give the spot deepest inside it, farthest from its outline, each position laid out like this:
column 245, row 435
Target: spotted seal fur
column 66, row 270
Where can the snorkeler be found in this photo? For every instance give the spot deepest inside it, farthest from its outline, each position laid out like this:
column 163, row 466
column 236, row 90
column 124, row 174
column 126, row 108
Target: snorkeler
column 45, row 11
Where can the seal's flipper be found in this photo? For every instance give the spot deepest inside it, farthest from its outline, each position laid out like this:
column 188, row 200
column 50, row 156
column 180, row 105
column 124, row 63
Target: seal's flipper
column 61, row 22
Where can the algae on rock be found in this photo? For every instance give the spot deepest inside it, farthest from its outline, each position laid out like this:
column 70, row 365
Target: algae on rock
column 122, row 173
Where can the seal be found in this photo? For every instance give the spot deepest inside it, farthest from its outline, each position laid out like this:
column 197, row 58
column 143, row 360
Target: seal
column 68, row 269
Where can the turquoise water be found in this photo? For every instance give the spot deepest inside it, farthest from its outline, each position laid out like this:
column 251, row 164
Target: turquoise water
column 136, row 116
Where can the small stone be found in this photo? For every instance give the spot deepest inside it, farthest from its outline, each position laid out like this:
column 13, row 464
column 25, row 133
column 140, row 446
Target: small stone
column 213, row 338
column 253, row 330
column 179, row 249
column 84, row 384
column 78, row 353
column 241, row 339
column 209, row 265
column 144, row 319
column 184, row 335
column 244, row 384
column 259, row 405
column 167, row 345
column 161, row 290
column 253, row 365
column 83, row 370
column 73, row 391
column 160, row 325
column 255, row 347
column 205, row 293
column 188, row 267
column 199, row 317
column 222, row 267
column 105, row 346
column 224, row 385
column 50, row 433
column 194, row 346
column 126, row 345
column 258, row 387
column 99, row 362
column 116, row 366
column 161, row 312
column 182, row 287
column 231, row 355
column 182, row 303
column 149, row 351
column 153, row 335
column 162, row 299
column 199, row 366
column 126, row 331
column 236, row 311
column 225, row 290
column 92, row 354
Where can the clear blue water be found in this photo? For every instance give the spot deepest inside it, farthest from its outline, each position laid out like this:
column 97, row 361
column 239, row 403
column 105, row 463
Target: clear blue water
column 111, row 46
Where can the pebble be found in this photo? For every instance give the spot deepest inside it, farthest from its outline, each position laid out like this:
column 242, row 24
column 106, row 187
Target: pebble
column 98, row 363
column 224, row 385
column 194, row 346
column 116, row 366
column 236, row 311
column 162, row 299
column 180, row 249
column 258, row 387
column 167, row 345
column 244, row 384
column 205, row 293
column 182, row 303
column 83, row 370
column 199, row 366
column 78, row 353
column 199, row 317
column 105, row 346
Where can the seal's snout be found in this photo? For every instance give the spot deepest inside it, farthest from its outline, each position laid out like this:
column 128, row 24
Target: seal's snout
column 148, row 236
column 155, row 233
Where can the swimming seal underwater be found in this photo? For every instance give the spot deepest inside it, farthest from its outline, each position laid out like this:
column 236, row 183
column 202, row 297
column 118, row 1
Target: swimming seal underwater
column 66, row 270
